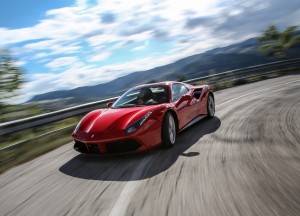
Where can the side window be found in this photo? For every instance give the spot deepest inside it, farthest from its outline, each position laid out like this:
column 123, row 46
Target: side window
column 178, row 90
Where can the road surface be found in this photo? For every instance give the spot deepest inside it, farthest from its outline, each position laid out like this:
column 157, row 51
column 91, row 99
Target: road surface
column 245, row 161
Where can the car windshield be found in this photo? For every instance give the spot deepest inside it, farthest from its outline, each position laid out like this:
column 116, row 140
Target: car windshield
column 143, row 96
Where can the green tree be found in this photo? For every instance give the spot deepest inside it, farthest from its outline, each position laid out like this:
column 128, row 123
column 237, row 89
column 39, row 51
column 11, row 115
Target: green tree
column 10, row 75
column 277, row 43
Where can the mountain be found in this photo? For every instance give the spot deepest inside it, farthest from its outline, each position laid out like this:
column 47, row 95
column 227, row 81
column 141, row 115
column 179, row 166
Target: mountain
column 213, row 61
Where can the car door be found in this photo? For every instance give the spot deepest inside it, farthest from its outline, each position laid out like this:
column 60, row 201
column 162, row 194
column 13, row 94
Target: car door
column 200, row 101
column 184, row 103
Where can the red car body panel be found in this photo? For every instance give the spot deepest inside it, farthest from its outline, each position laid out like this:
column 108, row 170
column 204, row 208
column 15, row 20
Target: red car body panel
column 103, row 131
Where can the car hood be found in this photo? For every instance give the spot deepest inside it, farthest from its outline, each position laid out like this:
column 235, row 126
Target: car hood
column 112, row 120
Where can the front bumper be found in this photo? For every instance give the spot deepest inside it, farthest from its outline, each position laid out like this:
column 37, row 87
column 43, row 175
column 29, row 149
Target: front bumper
column 118, row 147
column 145, row 138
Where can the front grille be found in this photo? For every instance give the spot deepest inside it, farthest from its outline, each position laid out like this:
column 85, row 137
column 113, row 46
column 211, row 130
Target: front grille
column 86, row 148
column 122, row 146
column 111, row 148
column 81, row 147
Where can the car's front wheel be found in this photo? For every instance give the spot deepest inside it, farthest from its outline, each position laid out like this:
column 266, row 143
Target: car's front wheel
column 168, row 131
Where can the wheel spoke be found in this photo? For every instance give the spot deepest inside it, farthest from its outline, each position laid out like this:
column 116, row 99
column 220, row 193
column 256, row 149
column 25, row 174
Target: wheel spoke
column 172, row 130
column 211, row 106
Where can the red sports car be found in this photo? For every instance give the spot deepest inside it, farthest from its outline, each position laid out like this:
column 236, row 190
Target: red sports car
column 143, row 118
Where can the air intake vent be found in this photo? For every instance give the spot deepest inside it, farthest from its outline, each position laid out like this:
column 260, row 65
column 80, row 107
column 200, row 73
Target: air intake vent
column 122, row 146
column 94, row 148
column 81, row 147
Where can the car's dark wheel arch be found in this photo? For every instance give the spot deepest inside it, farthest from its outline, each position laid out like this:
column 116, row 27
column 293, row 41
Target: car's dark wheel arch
column 212, row 94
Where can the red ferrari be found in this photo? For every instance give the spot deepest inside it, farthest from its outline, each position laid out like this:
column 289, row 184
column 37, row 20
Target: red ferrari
column 143, row 118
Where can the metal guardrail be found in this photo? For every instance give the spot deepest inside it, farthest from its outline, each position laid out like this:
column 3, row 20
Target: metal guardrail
column 251, row 69
column 43, row 119
column 25, row 123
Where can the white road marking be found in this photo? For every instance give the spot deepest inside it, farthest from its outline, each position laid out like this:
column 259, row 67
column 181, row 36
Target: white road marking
column 124, row 199
column 121, row 205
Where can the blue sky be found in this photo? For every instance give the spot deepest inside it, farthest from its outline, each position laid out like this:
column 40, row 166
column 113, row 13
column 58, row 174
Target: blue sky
column 64, row 44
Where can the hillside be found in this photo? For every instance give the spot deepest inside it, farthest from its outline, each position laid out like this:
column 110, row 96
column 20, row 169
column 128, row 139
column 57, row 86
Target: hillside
column 214, row 61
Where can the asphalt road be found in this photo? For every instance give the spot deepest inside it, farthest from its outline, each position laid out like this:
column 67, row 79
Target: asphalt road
column 245, row 161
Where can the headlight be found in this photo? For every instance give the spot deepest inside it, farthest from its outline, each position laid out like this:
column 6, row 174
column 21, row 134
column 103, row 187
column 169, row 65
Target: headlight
column 77, row 127
column 138, row 123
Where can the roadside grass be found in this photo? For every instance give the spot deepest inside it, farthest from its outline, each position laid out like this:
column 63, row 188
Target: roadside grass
column 31, row 133
column 32, row 148
column 26, row 145
column 13, row 112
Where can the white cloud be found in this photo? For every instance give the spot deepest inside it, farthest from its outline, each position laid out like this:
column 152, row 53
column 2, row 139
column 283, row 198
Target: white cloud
column 64, row 62
column 82, row 3
column 40, row 55
column 10, row 36
column 97, row 32
column 20, row 63
column 139, row 48
column 99, row 57
column 41, row 45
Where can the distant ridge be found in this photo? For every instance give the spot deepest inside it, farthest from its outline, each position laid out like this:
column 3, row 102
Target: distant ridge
column 213, row 61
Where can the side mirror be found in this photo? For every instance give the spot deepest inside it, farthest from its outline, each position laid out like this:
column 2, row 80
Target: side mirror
column 109, row 104
column 197, row 94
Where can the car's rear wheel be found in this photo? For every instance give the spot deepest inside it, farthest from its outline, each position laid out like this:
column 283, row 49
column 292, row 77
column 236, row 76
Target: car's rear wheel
column 210, row 106
column 168, row 135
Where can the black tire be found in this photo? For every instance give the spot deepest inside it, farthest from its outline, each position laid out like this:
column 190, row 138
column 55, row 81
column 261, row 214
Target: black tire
column 210, row 106
column 168, row 138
